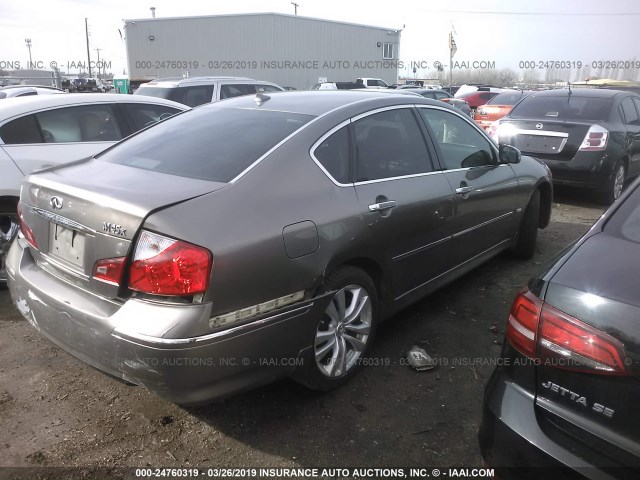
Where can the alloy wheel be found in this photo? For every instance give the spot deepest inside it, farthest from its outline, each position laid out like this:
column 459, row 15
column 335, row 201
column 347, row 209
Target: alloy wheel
column 342, row 335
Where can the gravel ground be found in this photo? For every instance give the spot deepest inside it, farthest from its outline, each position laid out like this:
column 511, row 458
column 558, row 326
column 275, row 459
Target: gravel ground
column 58, row 412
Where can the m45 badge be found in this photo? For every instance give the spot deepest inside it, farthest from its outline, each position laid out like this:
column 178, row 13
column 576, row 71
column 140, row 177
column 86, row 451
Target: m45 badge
column 114, row 229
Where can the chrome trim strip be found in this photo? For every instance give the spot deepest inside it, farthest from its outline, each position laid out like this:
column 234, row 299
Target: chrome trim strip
column 60, row 220
column 543, row 133
column 61, row 266
column 419, row 249
column 195, row 341
column 414, row 175
column 483, row 224
column 452, row 269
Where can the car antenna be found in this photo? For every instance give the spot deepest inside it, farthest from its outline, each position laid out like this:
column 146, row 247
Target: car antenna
column 261, row 98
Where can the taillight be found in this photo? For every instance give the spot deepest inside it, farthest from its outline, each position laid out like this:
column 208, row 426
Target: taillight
column 595, row 139
column 165, row 266
column 523, row 323
column 575, row 345
column 109, row 270
column 25, row 229
column 554, row 338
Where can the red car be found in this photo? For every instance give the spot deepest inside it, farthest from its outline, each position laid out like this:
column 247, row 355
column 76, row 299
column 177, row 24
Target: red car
column 498, row 107
column 475, row 99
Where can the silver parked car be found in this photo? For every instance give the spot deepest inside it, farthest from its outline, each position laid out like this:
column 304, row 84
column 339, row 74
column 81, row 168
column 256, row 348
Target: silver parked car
column 265, row 237
column 194, row 91
column 43, row 131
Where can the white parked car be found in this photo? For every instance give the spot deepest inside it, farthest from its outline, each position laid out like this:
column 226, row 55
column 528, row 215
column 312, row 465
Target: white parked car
column 11, row 91
column 42, row 131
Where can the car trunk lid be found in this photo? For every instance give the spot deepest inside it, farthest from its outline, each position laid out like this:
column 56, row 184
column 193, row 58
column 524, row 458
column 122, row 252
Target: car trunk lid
column 592, row 407
column 93, row 210
column 548, row 138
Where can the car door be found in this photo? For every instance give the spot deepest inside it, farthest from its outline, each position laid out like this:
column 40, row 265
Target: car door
column 50, row 137
column 407, row 205
column 486, row 191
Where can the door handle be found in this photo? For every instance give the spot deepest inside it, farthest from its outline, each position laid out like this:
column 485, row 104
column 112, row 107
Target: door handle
column 463, row 190
column 378, row 207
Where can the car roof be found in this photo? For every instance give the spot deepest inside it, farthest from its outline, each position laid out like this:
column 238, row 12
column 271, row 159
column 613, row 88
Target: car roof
column 578, row 92
column 320, row 102
column 180, row 81
column 10, row 107
column 47, row 87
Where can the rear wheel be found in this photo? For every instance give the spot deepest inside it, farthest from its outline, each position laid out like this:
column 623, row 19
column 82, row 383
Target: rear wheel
column 616, row 184
column 528, row 233
column 344, row 333
column 8, row 230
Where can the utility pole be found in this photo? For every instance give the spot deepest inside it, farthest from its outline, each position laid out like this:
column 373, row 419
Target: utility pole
column 153, row 12
column 98, row 50
column 452, row 51
column 86, row 29
column 27, row 41
column 295, row 7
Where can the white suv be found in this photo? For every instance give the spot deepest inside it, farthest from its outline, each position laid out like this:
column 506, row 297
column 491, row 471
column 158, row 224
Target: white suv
column 194, row 91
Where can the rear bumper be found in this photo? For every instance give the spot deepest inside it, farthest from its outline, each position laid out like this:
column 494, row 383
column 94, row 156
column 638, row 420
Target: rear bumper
column 513, row 440
column 591, row 170
column 134, row 340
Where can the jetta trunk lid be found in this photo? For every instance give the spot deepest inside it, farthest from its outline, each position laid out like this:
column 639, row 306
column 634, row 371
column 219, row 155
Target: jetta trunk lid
column 599, row 286
column 93, row 210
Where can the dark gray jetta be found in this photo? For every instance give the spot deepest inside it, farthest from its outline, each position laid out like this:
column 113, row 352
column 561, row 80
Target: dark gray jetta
column 264, row 237
column 563, row 402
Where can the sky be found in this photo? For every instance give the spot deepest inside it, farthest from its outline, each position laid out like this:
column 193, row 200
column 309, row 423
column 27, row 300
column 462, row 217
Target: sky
column 506, row 32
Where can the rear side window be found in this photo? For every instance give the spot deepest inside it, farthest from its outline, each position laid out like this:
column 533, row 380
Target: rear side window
column 563, row 107
column 191, row 96
column 506, row 99
column 333, row 155
column 208, row 143
column 390, row 144
column 21, row 131
column 629, row 112
column 266, row 89
column 86, row 123
column 143, row 115
column 230, row 91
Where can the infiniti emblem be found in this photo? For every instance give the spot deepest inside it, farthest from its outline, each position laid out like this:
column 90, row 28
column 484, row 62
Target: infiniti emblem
column 539, row 126
column 56, row 202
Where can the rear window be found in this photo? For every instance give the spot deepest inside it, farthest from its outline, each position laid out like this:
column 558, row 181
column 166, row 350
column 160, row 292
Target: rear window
column 214, row 144
column 506, row 99
column 572, row 107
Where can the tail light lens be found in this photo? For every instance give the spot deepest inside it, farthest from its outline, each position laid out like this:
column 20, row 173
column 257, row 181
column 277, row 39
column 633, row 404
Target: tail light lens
column 25, row 229
column 165, row 266
column 109, row 270
column 554, row 338
column 595, row 139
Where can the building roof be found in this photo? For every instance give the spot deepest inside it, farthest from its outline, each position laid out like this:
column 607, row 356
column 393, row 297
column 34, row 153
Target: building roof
column 155, row 19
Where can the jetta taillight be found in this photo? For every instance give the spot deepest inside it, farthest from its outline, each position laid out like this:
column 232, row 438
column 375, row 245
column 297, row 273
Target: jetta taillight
column 25, row 229
column 554, row 338
column 595, row 139
column 165, row 266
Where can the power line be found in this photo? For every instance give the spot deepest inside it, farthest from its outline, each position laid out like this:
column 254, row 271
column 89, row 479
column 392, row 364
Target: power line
column 475, row 12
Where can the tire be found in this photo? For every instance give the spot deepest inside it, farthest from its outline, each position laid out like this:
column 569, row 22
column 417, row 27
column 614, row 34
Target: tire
column 8, row 230
column 525, row 245
column 616, row 184
column 340, row 342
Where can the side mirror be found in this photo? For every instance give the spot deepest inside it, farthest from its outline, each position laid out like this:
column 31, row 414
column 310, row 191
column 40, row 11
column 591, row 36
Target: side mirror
column 509, row 154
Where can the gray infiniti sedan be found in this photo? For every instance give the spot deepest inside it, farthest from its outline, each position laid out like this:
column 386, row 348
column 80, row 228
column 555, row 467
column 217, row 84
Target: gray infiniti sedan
column 265, row 237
